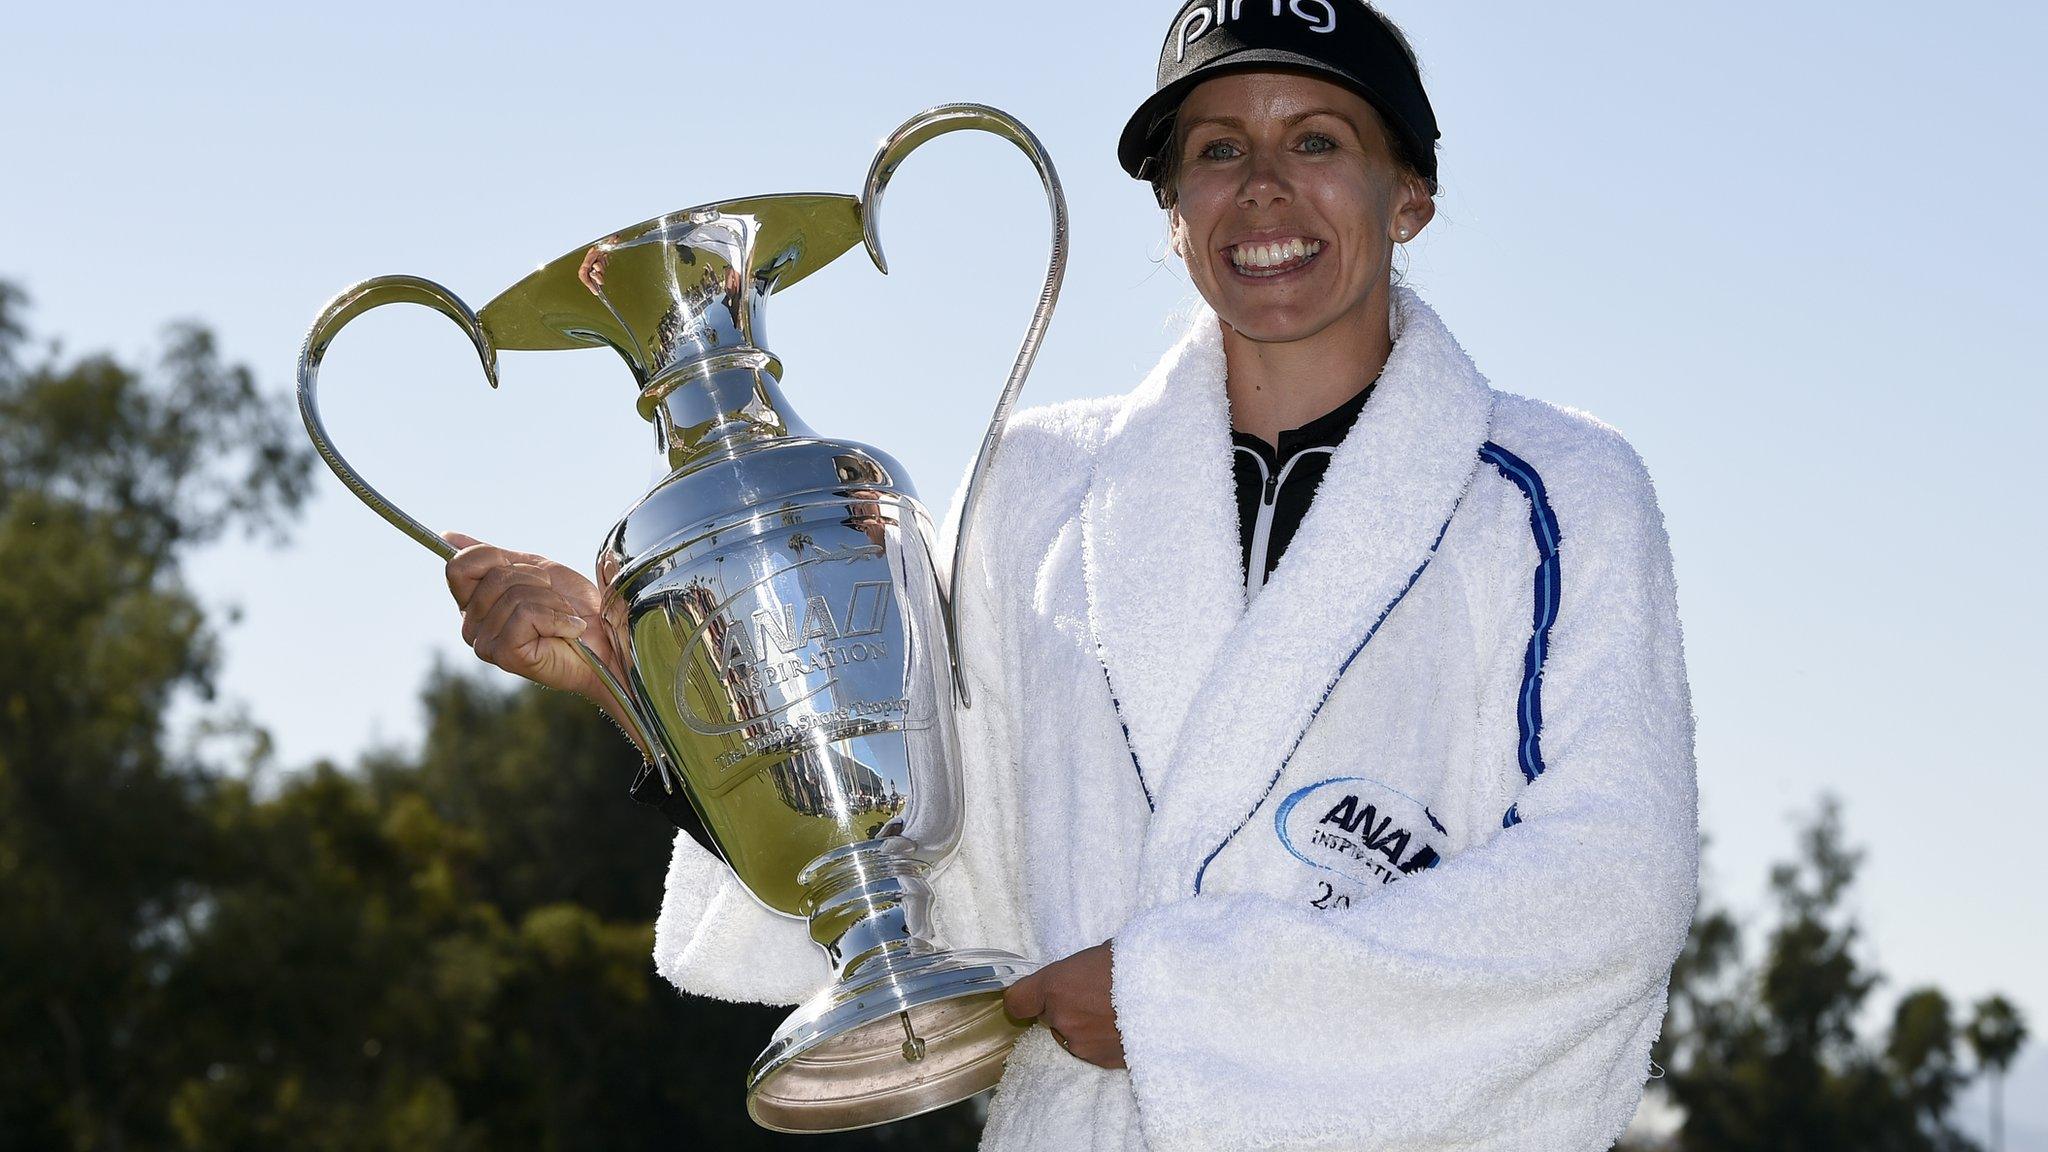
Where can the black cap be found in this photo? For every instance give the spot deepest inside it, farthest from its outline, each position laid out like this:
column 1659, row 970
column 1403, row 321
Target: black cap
column 1341, row 40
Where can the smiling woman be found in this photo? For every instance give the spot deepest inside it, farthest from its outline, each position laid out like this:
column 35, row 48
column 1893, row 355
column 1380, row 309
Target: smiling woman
column 1287, row 206
column 1331, row 736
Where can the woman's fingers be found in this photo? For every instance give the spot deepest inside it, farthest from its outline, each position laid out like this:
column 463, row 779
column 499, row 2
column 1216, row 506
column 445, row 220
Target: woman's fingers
column 520, row 582
column 1072, row 998
column 574, row 587
column 519, row 609
column 523, row 613
column 1084, row 1034
column 472, row 563
column 1025, row 999
column 523, row 636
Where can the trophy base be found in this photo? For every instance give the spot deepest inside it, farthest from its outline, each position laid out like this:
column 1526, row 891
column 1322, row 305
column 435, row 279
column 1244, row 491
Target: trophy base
column 891, row 1040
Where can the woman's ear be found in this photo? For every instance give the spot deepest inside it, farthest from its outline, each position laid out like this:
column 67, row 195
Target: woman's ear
column 1415, row 210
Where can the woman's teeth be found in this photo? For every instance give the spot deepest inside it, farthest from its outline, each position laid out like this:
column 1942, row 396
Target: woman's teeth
column 1274, row 258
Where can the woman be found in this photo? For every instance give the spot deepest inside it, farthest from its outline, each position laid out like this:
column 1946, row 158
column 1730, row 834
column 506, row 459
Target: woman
column 1338, row 734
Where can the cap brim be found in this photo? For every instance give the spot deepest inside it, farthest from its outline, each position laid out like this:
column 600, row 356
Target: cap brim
column 1141, row 135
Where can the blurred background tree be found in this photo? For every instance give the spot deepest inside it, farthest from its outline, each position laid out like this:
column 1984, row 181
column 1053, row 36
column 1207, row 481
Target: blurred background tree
column 1996, row 1033
column 446, row 950
column 108, row 477
column 1770, row 1055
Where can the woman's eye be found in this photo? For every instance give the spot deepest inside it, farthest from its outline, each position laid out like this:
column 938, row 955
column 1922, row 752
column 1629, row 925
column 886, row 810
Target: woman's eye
column 1217, row 150
column 1317, row 142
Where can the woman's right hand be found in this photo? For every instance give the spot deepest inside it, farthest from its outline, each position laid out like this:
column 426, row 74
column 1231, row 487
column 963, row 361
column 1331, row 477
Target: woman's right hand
column 524, row 613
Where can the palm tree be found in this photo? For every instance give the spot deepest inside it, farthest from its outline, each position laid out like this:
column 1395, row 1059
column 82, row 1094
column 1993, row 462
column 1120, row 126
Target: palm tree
column 1996, row 1033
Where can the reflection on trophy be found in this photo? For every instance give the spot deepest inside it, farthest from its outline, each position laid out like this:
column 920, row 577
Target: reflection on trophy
column 788, row 657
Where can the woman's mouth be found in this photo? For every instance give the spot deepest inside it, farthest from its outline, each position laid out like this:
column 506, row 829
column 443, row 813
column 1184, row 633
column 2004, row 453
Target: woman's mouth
column 1268, row 258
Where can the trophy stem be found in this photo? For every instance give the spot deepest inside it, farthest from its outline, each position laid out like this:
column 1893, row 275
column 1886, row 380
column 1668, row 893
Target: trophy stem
column 867, row 903
column 907, row 1026
column 720, row 401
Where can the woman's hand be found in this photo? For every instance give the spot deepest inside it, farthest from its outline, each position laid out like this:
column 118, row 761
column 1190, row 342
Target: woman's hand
column 1071, row 997
column 524, row 613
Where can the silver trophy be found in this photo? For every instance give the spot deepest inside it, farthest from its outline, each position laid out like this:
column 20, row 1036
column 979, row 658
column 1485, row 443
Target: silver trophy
column 788, row 657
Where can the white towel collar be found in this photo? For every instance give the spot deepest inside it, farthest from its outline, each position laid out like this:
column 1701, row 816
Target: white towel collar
column 1165, row 572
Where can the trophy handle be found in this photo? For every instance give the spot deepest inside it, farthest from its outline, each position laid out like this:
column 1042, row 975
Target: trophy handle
column 375, row 293
column 929, row 125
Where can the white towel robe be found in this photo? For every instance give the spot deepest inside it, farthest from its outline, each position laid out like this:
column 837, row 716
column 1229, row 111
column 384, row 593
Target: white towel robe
column 1278, row 980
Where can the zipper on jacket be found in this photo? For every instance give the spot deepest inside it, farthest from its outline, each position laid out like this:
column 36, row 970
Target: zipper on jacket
column 1262, row 528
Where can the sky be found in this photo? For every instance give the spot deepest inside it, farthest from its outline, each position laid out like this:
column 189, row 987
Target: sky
column 1789, row 249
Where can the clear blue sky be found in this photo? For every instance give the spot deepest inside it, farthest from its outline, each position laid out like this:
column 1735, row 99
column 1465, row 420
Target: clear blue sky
column 1792, row 250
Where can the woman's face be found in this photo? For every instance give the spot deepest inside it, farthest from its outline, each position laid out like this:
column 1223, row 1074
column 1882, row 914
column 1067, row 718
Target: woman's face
column 1289, row 204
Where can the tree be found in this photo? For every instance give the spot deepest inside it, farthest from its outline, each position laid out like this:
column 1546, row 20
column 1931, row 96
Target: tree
column 1921, row 1053
column 109, row 476
column 1995, row 1033
column 1769, row 1055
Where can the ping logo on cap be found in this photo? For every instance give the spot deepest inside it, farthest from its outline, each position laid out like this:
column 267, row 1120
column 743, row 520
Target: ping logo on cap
column 1320, row 15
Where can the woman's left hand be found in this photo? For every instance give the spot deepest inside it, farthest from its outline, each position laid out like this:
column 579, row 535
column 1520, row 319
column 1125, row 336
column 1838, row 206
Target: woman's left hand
column 1071, row 997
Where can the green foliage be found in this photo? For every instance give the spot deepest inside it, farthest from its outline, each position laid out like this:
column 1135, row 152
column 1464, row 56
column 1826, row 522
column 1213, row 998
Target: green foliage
column 1995, row 1034
column 1770, row 1055
column 107, row 476
column 1921, row 1053
column 446, row 950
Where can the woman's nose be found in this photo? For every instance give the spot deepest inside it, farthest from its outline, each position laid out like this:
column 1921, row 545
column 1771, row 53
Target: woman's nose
column 1264, row 181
